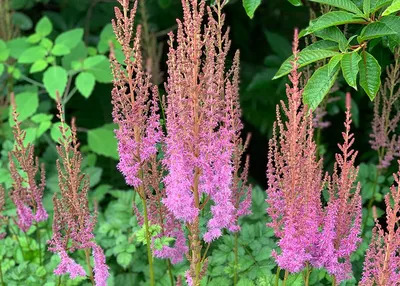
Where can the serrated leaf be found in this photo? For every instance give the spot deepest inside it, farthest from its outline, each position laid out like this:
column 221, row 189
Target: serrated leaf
column 394, row 7
column 370, row 74
column 60, row 50
column 250, row 7
column 375, row 30
column 4, row 51
column 103, row 142
column 333, row 34
column 330, row 19
column 44, row 27
column 334, row 62
column 306, row 57
column 38, row 66
column 32, row 54
column 342, row 4
column 318, row 86
column 27, row 103
column 55, row 80
column 124, row 259
column 350, row 68
column 85, row 83
column 70, row 39
column 99, row 66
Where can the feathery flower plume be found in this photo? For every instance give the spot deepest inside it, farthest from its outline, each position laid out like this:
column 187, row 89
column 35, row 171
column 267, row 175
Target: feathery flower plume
column 135, row 100
column 342, row 225
column 73, row 224
column 2, row 204
column 385, row 122
column 26, row 193
column 294, row 180
column 382, row 262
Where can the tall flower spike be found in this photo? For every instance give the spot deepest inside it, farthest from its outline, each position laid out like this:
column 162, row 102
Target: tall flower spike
column 136, row 111
column 342, row 225
column 386, row 120
column 26, row 193
column 294, row 180
column 382, row 261
column 73, row 224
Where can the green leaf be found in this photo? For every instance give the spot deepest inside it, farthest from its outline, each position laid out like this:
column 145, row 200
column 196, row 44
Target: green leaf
column 4, row 51
column 350, row 68
column 370, row 74
column 334, row 62
column 99, row 66
column 250, row 7
column 27, row 103
column 375, row 30
column 60, row 50
column 2, row 68
column 34, row 38
column 367, row 7
column 306, row 57
column 319, row 85
column 107, row 35
column 38, row 66
column 78, row 54
column 55, row 132
column 330, row 19
column 378, row 4
column 322, row 45
column 342, row 4
column 17, row 46
column 392, row 8
column 44, row 27
column 22, row 21
column 296, row 2
column 124, row 259
column 279, row 44
column 393, row 22
column 70, row 39
column 32, row 54
column 333, row 34
column 103, row 142
column 55, row 80
column 85, row 83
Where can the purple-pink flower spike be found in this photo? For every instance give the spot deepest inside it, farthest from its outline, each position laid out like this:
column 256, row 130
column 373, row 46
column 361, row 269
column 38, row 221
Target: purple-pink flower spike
column 294, row 181
column 26, row 194
column 340, row 234
column 382, row 261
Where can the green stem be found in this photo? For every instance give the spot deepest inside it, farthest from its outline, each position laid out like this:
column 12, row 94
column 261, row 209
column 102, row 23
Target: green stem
column 149, row 254
column 32, row 81
column 39, row 242
column 59, row 280
column 277, row 276
column 308, row 272
column 235, row 275
column 370, row 203
column 333, row 280
column 171, row 277
column 286, row 277
column 87, row 254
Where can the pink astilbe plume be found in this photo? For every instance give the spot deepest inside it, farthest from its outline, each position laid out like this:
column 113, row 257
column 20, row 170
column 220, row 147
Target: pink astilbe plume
column 382, row 261
column 26, row 193
column 136, row 112
column 294, row 180
column 342, row 223
column 73, row 223
column 386, row 117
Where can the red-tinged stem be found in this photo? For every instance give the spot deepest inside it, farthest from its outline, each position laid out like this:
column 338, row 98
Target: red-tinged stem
column 286, row 277
column 87, row 254
column 235, row 275
column 148, row 235
column 277, row 276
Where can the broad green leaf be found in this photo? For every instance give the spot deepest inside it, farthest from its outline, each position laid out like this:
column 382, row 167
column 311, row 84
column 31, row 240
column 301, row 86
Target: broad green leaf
column 34, row 38
column 305, row 58
column 250, row 7
column 70, row 39
column 44, row 27
column 375, row 30
column 17, row 46
column 46, row 43
column 32, row 54
column 4, row 51
column 85, row 83
column 124, row 259
column 333, row 34
column 2, row 68
column 342, row 4
column 55, row 80
column 55, row 131
column 22, row 21
column 27, row 103
column 392, row 8
column 38, row 66
column 378, row 4
column 78, row 54
column 393, row 22
column 367, row 7
column 103, row 142
column 322, row 45
column 296, row 2
column 107, row 35
column 319, row 85
column 330, row 19
column 60, row 50
column 350, row 68
column 334, row 62
column 99, row 66
column 370, row 74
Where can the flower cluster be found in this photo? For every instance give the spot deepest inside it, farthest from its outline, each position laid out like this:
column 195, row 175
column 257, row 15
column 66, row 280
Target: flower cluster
column 73, row 223
column 382, row 261
column 26, row 193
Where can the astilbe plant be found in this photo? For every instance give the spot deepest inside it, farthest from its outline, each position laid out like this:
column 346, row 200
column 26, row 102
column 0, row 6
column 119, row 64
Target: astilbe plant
column 73, row 224
column 386, row 117
column 26, row 193
column 340, row 235
column 202, row 122
column 382, row 261
column 135, row 110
